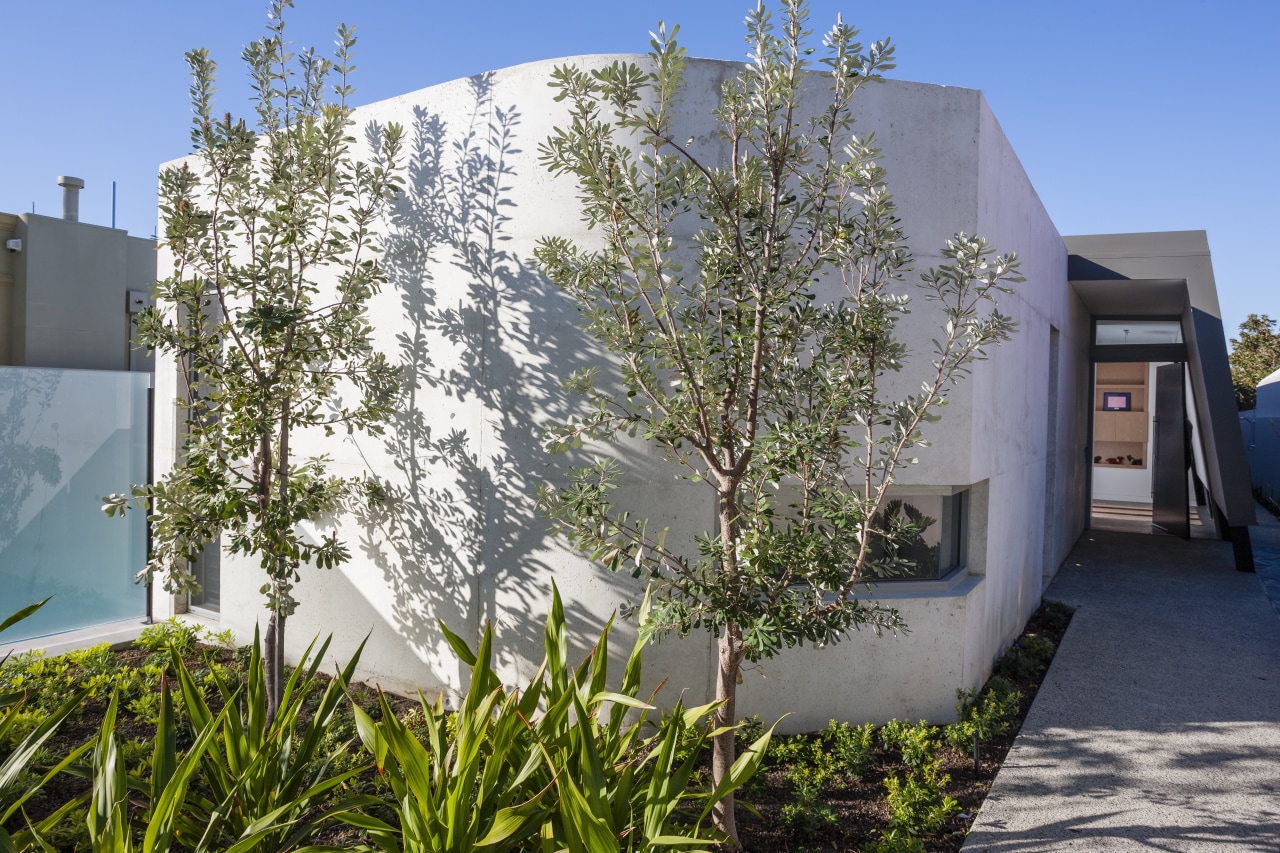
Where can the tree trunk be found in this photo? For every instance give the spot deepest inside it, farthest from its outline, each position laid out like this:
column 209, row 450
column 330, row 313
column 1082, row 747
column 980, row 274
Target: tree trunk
column 274, row 651
column 723, row 748
column 729, row 660
column 273, row 664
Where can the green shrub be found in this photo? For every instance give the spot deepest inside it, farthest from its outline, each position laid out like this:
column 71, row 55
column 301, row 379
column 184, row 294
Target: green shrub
column 851, row 748
column 1000, row 686
column 579, row 776
column 791, row 749
column 1026, row 659
column 989, row 715
column 916, row 742
column 807, row 816
column 917, row 805
column 95, row 662
column 570, row 761
column 24, row 763
column 96, row 670
column 1055, row 616
column 894, row 841
column 1040, row 649
column 1017, row 665
column 748, row 731
column 36, row 682
column 245, row 782
column 172, row 635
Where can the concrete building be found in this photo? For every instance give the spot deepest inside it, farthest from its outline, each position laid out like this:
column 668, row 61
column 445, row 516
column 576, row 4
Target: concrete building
column 69, row 288
column 1261, row 426
column 485, row 340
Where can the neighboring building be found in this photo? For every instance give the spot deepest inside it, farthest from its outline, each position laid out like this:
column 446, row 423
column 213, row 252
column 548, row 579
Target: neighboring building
column 485, row 341
column 74, row 420
column 1261, row 426
column 68, row 290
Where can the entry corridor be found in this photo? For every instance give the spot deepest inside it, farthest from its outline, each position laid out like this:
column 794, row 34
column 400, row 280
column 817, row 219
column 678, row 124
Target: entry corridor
column 1158, row 725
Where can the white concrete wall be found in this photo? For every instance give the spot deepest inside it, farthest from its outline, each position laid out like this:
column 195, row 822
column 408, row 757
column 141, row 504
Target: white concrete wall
column 486, row 340
column 1261, row 427
column 1033, row 467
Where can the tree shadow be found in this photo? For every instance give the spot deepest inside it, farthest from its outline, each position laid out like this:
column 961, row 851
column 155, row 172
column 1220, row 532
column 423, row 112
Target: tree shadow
column 1065, row 789
column 25, row 397
column 483, row 341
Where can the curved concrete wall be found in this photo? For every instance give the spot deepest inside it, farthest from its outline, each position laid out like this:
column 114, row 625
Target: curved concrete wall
column 485, row 341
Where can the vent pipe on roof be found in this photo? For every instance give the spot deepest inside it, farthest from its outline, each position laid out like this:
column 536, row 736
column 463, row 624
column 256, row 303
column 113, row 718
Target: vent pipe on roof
column 70, row 197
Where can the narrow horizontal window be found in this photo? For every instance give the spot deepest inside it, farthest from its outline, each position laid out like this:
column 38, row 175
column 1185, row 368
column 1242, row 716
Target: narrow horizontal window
column 934, row 549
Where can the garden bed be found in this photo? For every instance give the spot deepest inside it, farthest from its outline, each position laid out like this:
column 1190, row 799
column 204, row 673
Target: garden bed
column 827, row 791
column 852, row 812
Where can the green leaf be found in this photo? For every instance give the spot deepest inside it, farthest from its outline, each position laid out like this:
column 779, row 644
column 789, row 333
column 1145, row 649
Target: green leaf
column 620, row 699
column 164, row 756
column 17, row 617
column 588, row 833
column 19, row 759
column 742, row 770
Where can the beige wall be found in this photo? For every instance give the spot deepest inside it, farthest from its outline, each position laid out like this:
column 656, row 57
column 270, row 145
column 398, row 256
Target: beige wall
column 68, row 286
column 8, row 230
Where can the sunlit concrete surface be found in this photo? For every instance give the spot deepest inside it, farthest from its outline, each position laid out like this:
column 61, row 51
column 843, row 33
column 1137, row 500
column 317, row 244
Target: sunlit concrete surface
column 1158, row 725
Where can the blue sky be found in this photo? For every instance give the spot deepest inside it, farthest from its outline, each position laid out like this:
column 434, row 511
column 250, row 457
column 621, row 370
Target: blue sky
column 1127, row 115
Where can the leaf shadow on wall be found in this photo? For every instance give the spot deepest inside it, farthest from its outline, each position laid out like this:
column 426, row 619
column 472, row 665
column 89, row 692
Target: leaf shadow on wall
column 487, row 338
column 27, row 398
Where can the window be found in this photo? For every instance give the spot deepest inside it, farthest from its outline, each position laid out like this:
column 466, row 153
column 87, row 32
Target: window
column 1131, row 332
column 933, row 552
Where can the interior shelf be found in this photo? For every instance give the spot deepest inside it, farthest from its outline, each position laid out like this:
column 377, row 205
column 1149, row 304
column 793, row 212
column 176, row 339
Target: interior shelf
column 1121, row 434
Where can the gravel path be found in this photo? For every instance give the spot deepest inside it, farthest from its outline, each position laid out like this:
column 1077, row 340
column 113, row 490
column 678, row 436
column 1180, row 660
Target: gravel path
column 1158, row 725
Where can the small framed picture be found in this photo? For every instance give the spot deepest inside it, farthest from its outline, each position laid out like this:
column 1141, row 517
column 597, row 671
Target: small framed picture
column 1116, row 401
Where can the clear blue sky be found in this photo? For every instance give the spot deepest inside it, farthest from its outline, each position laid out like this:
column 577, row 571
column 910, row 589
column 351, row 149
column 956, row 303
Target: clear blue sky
column 1128, row 116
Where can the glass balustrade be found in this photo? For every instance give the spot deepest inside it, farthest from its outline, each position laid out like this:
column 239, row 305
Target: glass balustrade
column 68, row 437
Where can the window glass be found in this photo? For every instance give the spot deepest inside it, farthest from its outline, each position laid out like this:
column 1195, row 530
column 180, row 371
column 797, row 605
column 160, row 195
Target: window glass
column 935, row 549
column 1130, row 332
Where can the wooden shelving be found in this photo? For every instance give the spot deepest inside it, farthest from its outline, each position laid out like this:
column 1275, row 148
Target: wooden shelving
column 1121, row 435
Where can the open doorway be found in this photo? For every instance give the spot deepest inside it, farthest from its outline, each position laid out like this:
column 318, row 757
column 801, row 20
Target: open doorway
column 1145, row 453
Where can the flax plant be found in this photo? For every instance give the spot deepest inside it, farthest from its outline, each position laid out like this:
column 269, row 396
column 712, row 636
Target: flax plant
column 565, row 764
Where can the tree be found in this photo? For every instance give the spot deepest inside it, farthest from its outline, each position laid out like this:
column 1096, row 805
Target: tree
column 274, row 263
column 716, row 288
column 1254, row 355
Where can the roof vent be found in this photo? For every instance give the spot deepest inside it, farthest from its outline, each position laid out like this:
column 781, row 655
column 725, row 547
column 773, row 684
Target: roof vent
column 70, row 197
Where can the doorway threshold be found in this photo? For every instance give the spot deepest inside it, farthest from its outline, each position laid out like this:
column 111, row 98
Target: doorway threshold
column 1120, row 517
column 1129, row 517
